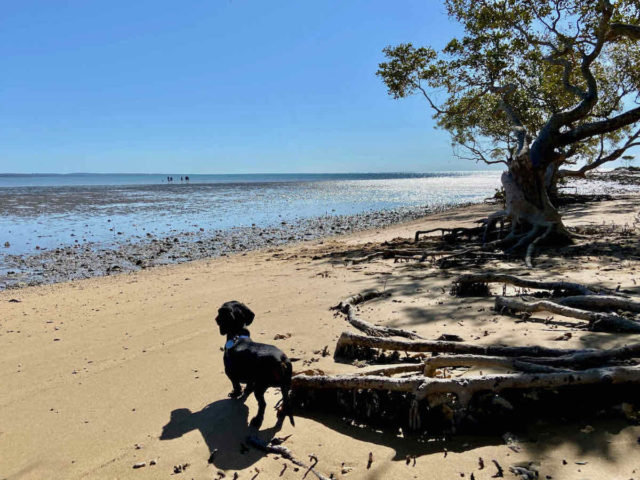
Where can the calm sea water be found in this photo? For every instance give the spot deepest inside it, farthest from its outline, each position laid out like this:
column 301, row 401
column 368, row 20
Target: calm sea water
column 48, row 211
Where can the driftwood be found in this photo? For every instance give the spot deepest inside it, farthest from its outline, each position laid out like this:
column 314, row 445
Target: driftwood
column 598, row 322
column 527, row 283
column 284, row 452
column 349, row 339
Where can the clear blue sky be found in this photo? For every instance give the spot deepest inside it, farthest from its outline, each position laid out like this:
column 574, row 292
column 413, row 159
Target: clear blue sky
column 212, row 86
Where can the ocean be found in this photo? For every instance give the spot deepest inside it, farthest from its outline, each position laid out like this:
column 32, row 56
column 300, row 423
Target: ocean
column 39, row 212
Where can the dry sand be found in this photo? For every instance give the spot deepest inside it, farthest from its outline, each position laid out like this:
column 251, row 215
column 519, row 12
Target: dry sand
column 97, row 375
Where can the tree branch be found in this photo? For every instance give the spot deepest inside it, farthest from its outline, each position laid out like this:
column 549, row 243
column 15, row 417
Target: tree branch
column 591, row 129
column 617, row 30
column 547, row 137
column 505, row 105
column 617, row 153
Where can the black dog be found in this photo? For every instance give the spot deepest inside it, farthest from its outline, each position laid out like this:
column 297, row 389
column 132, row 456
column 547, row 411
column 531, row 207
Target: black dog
column 258, row 365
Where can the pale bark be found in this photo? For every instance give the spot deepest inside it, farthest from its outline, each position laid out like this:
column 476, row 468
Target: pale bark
column 465, row 387
column 375, row 330
column 347, row 307
column 589, row 359
column 601, row 302
column 396, row 369
column 484, row 361
column 598, row 322
column 527, row 283
column 348, row 339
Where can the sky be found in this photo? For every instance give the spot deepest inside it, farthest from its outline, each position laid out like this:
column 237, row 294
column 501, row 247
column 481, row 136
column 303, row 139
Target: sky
column 214, row 86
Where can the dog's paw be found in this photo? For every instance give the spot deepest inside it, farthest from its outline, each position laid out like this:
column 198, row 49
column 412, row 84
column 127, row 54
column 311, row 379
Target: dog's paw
column 256, row 421
column 235, row 394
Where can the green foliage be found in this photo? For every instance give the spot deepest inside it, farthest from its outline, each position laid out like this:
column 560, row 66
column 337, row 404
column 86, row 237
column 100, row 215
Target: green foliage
column 519, row 63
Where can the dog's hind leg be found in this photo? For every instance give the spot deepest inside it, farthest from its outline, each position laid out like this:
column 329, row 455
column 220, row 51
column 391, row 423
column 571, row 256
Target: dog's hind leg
column 259, row 393
column 285, row 410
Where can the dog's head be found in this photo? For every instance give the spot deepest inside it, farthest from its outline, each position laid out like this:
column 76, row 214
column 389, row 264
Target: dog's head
column 233, row 317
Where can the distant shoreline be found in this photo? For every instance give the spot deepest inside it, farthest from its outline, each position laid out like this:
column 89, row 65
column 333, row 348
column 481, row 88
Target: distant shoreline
column 11, row 180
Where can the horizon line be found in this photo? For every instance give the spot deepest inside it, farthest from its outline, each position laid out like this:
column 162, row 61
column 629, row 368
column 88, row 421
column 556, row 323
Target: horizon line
column 245, row 173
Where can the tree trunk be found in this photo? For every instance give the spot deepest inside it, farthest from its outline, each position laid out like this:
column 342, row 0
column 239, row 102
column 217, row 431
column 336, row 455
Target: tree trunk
column 534, row 217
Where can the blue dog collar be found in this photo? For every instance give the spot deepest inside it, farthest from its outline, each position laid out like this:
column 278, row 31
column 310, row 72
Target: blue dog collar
column 232, row 343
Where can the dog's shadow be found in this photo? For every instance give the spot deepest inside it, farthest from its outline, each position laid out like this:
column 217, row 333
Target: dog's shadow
column 224, row 427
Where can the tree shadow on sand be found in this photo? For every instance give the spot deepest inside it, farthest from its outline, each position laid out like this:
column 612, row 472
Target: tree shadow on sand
column 224, row 426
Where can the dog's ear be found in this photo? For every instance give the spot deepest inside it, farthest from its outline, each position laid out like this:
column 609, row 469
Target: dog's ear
column 243, row 313
column 225, row 318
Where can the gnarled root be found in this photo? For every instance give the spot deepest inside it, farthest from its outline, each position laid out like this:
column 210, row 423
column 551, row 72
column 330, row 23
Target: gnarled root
column 598, row 322
column 349, row 342
column 483, row 361
column 601, row 302
column 347, row 307
column 491, row 223
column 567, row 287
column 464, row 388
column 589, row 359
column 452, row 234
column 358, row 299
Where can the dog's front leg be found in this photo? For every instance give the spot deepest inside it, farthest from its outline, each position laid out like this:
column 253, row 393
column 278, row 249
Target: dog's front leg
column 237, row 389
column 248, row 390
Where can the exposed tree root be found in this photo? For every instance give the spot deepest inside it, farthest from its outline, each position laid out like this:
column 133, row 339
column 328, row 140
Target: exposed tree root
column 433, row 363
column 396, row 369
column 567, row 287
column 452, row 234
column 491, row 223
column 526, row 240
column 347, row 307
column 589, row 359
column 349, row 343
column 367, row 258
column 409, row 394
column 601, row 302
column 349, row 382
column 358, row 299
column 532, row 246
column 375, row 330
column 598, row 322
column 464, row 388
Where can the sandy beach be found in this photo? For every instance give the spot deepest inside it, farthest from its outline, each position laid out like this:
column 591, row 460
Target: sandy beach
column 101, row 374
